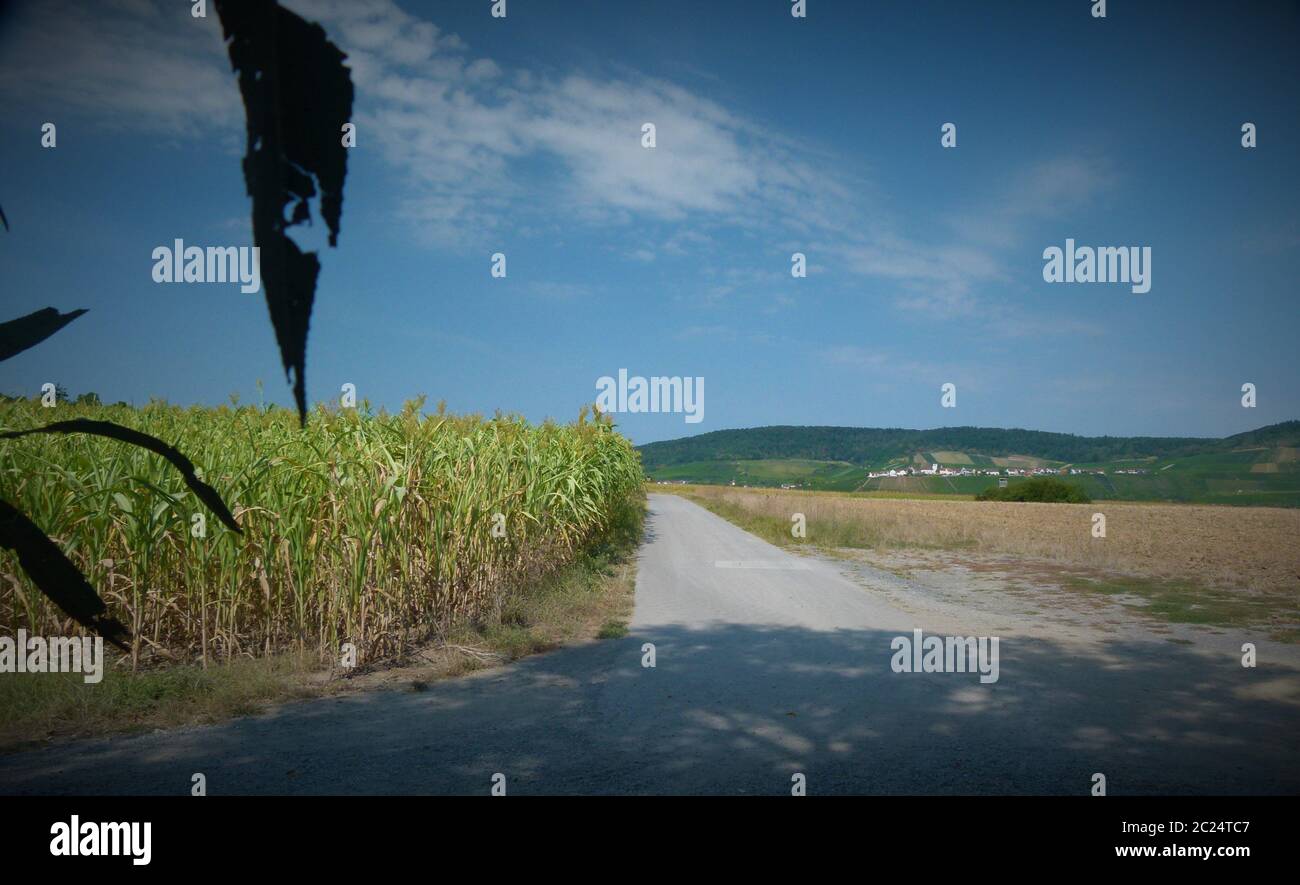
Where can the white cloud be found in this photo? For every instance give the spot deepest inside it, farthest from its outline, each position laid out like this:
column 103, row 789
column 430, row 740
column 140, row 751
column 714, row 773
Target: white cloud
column 467, row 136
column 485, row 148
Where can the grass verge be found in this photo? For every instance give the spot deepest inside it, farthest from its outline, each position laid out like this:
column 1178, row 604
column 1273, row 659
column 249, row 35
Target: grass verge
column 1187, row 602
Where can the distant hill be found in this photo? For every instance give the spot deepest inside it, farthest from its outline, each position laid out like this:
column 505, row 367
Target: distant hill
column 1285, row 434
column 1259, row 467
column 868, row 446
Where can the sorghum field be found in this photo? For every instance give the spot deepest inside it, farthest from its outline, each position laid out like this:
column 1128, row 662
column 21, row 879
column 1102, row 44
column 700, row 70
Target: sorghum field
column 360, row 528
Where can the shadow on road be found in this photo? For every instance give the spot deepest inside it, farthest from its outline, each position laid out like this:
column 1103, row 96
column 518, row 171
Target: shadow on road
column 739, row 709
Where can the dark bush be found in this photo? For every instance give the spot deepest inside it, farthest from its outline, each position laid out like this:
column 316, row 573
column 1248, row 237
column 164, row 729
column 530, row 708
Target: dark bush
column 1043, row 489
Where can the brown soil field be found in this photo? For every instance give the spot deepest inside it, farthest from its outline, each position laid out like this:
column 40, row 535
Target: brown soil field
column 1255, row 548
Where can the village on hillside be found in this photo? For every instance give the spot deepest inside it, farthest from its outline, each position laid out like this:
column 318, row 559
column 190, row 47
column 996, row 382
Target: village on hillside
column 937, row 470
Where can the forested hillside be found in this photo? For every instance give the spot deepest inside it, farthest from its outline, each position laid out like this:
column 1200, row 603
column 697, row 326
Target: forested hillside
column 867, row 446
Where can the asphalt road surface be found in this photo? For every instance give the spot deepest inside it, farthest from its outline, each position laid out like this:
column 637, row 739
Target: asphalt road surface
column 767, row 665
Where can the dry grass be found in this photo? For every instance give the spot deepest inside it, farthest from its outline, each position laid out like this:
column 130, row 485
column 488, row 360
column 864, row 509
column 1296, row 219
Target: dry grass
column 1236, row 547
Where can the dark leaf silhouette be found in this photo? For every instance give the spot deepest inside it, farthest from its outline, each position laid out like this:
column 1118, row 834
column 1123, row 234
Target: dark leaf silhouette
column 202, row 490
column 56, row 576
column 297, row 97
column 4, row 220
column 20, row 334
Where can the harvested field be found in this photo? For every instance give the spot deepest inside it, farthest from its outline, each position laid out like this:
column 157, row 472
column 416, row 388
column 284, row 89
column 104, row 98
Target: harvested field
column 1240, row 548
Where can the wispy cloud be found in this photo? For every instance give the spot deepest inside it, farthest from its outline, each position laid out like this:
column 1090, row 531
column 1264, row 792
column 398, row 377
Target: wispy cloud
column 1049, row 189
column 471, row 135
column 724, row 333
column 881, row 366
column 933, row 278
column 466, row 135
column 944, row 275
column 557, row 291
column 143, row 64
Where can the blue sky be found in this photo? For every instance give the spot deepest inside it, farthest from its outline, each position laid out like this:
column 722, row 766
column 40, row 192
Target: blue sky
column 774, row 135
